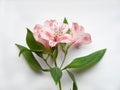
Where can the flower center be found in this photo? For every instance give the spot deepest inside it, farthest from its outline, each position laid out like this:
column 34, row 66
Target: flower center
column 58, row 33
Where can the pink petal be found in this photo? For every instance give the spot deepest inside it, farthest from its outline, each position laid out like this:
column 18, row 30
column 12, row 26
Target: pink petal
column 47, row 35
column 52, row 43
column 37, row 31
column 37, row 27
column 55, row 26
column 65, row 38
column 76, row 43
column 45, row 43
column 63, row 27
column 52, row 24
column 86, row 38
column 76, row 30
column 37, row 34
column 75, row 26
column 49, row 23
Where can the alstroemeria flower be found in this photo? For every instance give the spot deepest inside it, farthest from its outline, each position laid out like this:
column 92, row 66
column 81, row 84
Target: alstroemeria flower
column 56, row 39
column 38, row 29
column 55, row 33
column 79, row 37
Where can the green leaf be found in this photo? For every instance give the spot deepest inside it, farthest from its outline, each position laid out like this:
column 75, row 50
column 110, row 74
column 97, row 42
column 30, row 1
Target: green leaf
column 33, row 44
column 68, row 32
column 56, row 74
column 22, row 50
column 29, row 58
column 65, row 21
column 73, row 79
column 54, row 53
column 87, row 61
column 63, row 46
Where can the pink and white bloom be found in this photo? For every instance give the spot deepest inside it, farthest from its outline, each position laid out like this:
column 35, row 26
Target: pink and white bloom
column 52, row 33
column 79, row 37
column 38, row 29
column 55, row 33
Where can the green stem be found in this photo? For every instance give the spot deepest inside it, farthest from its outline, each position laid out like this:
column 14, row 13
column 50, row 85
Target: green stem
column 47, row 57
column 45, row 60
column 65, row 56
column 46, row 70
column 47, row 64
column 63, row 60
column 60, row 86
column 55, row 63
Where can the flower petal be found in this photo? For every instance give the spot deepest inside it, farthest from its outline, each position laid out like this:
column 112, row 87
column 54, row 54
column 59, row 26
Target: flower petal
column 47, row 34
column 52, row 43
column 52, row 24
column 65, row 38
column 63, row 27
column 76, row 30
column 49, row 23
column 86, row 38
column 38, row 31
column 37, row 27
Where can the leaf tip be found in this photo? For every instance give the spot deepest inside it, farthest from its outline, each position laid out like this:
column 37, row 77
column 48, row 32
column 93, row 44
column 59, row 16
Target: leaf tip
column 104, row 50
column 16, row 44
column 27, row 28
column 65, row 20
column 19, row 54
column 18, row 47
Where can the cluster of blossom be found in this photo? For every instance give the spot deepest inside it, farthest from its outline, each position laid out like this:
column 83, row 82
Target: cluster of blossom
column 52, row 33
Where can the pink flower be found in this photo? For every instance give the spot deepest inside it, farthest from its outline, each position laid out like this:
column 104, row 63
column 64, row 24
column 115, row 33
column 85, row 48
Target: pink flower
column 55, row 33
column 52, row 33
column 79, row 37
column 38, row 29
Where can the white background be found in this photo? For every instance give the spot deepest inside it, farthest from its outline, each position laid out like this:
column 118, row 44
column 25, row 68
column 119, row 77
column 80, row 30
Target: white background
column 101, row 18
